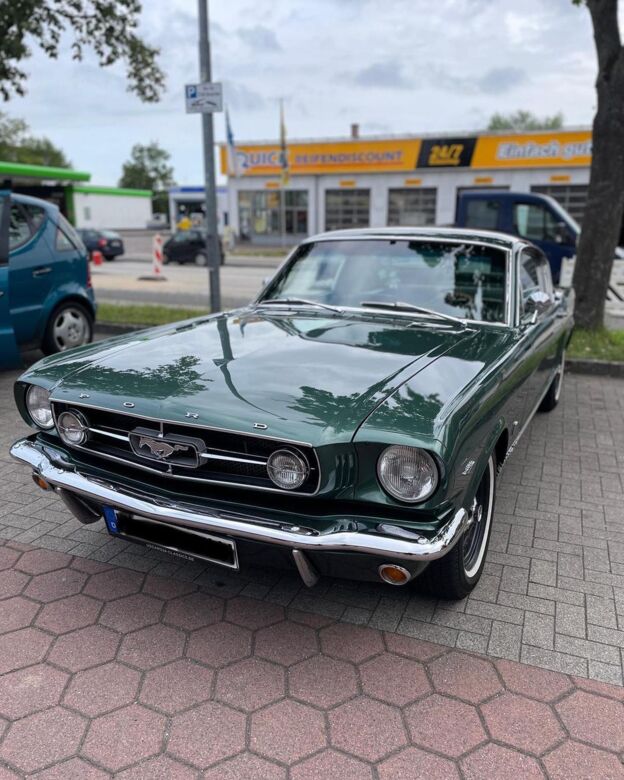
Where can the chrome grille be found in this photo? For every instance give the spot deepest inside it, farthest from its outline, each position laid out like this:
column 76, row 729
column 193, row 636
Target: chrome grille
column 224, row 457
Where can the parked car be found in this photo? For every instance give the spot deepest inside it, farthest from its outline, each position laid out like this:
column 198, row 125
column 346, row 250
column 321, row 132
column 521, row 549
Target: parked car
column 350, row 422
column 45, row 288
column 108, row 242
column 189, row 246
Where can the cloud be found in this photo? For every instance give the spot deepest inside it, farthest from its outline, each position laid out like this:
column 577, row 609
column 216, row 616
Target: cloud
column 499, row 80
column 241, row 98
column 259, row 38
column 387, row 75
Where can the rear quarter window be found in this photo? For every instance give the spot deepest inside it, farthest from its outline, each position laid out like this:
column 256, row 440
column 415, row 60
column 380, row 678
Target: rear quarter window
column 67, row 237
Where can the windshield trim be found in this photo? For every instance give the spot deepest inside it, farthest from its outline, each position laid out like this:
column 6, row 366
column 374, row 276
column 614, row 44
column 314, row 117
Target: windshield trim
column 507, row 250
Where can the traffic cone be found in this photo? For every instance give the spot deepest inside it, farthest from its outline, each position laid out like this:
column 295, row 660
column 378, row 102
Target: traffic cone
column 97, row 257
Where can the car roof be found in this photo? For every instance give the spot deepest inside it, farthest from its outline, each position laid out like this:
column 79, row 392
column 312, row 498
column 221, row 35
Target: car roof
column 504, row 240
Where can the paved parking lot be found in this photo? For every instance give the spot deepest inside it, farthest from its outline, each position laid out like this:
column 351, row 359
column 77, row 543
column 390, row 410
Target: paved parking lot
column 553, row 591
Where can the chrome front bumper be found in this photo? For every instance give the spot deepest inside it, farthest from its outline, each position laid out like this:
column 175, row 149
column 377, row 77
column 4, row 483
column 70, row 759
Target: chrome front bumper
column 407, row 546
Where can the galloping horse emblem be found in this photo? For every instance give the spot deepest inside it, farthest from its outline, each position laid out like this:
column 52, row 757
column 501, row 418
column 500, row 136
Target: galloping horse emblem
column 161, row 449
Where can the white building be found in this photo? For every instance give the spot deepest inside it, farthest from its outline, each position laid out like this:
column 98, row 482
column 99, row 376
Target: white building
column 111, row 207
column 407, row 180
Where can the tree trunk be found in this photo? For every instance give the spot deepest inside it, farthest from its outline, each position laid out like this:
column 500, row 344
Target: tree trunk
column 602, row 221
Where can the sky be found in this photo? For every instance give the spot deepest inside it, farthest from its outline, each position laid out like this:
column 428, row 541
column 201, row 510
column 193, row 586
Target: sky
column 393, row 66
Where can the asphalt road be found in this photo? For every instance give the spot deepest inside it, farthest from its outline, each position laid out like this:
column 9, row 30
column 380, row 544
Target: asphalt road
column 187, row 285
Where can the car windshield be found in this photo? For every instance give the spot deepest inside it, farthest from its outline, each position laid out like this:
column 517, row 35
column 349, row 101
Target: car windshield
column 465, row 279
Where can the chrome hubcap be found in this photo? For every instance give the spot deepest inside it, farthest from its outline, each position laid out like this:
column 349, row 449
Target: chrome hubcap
column 71, row 329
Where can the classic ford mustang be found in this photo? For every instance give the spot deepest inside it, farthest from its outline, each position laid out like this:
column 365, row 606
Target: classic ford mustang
column 351, row 421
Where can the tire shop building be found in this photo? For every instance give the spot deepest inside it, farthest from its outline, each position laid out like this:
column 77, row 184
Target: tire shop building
column 84, row 204
column 406, row 180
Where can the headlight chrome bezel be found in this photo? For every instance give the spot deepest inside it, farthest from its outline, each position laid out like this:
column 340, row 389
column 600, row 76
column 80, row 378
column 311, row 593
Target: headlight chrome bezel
column 299, row 460
column 61, row 428
column 398, row 450
column 44, row 404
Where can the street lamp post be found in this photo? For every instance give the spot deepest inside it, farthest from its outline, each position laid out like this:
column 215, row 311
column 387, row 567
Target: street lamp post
column 212, row 236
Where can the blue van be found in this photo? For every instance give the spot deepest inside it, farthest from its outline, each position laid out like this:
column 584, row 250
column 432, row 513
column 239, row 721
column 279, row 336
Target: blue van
column 46, row 297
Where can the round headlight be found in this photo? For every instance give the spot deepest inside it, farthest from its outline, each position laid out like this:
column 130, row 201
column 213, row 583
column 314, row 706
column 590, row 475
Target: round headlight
column 72, row 427
column 287, row 469
column 407, row 473
column 38, row 405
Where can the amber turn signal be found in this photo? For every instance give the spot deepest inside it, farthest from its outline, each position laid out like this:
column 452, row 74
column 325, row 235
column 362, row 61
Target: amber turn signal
column 393, row 574
column 40, row 482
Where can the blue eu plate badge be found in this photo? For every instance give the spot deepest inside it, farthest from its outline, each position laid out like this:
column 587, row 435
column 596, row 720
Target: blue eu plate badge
column 110, row 516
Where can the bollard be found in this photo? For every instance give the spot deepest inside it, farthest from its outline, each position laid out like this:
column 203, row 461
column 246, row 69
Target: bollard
column 157, row 254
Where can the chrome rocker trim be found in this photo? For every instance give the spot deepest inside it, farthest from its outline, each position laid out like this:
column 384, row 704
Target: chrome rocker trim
column 297, row 538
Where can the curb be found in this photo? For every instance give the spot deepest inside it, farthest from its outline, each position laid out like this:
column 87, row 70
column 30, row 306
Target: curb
column 595, row 367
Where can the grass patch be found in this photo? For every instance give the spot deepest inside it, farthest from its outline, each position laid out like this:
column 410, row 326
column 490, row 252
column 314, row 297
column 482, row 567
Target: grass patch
column 597, row 345
column 144, row 314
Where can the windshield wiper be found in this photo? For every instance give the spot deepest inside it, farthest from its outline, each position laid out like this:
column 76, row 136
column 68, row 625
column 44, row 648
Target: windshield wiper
column 401, row 306
column 302, row 301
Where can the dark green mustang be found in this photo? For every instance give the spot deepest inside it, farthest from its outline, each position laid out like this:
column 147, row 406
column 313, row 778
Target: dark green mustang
column 351, row 421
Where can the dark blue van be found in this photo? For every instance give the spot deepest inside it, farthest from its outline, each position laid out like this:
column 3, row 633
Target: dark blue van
column 46, row 297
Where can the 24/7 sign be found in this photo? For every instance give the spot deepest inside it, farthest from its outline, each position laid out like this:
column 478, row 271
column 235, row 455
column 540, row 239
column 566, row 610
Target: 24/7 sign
column 205, row 98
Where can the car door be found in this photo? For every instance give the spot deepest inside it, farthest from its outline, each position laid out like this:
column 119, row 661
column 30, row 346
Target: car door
column 541, row 329
column 536, row 222
column 177, row 248
column 9, row 353
column 32, row 266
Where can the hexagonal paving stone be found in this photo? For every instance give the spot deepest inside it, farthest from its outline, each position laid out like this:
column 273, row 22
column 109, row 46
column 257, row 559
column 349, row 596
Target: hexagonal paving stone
column 8, row 557
column 42, row 739
column 572, row 760
column 597, row 686
column 366, row 728
column 330, row 764
column 31, row 689
column 131, row 612
column 219, row 644
column 12, row 582
column 415, row 763
column 22, row 648
column 177, row 686
column 124, row 737
column 114, row 584
column 166, row 587
column 465, row 676
column 444, row 725
column 323, row 682
column 89, row 565
column 497, row 761
column 522, row 723
column 42, row 561
column 250, row 684
column 69, row 614
column 16, row 612
column 594, row 719
column 394, row 679
column 74, row 769
column 351, row 642
column 287, row 731
column 193, row 611
column 152, row 646
column 418, row 649
column 97, row 691
column 55, row 585
column 246, row 766
column 85, row 648
column 160, row 768
column 533, row 682
column 207, row 734
column 252, row 613
column 286, row 643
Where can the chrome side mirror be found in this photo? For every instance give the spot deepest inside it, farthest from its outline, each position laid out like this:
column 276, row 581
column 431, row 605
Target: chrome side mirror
column 537, row 303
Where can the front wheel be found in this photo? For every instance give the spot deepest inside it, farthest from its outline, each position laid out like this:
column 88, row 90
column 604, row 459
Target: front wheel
column 456, row 575
column 71, row 325
column 551, row 399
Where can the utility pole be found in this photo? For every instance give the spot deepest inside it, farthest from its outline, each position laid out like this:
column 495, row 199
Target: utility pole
column 212, row 236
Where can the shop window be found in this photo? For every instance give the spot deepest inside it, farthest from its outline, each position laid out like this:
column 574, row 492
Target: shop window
column 260, row 213
column 411, row 207
column 347, row 209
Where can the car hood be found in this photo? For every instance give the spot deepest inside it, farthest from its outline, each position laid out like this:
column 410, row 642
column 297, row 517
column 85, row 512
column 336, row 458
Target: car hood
column 311, row 378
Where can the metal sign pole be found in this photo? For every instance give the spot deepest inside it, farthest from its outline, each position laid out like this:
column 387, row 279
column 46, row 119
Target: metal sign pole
column 212, row 237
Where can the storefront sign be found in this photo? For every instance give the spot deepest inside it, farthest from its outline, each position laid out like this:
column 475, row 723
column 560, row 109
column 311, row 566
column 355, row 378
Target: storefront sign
column 526, row 150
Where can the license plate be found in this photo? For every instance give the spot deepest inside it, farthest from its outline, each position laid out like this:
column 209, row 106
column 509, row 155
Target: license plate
column 178, row 542
column 115, row 243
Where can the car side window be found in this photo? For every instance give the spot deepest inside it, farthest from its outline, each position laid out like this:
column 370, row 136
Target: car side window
column 533, row 221
column 19, row 227
column 35, row 214
column 67, row 237
column 482, row 214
